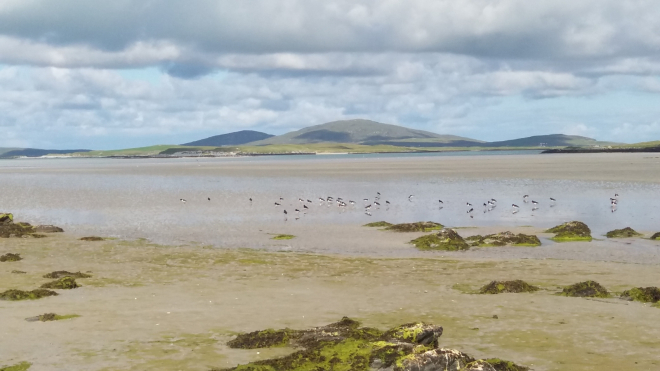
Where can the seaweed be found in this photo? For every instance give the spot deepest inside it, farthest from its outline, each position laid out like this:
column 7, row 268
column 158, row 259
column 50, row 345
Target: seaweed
column 283, row 237
column 590, row 289
column 92, row 238
column 643, row 294
column 9, row 257
column 23, row 366
column 6, row 218
column 445, row 239
column 46, row 317
column 571, row 231
column 623, row 233
column 64, row 283
column 48, row 229
column 503, row 239
column 18, row 272
column 501, row 365
column 415, row 227
column 60, row 274
column 263, row 339
column 378, row 224
column 656, row 236
column 499, row 287
column 14, row 295
column 8, row 230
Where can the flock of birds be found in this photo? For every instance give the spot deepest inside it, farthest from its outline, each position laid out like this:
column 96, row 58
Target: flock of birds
column 488, row 206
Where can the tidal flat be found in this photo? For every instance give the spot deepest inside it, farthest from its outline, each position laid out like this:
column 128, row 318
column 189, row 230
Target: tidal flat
column 168, row 284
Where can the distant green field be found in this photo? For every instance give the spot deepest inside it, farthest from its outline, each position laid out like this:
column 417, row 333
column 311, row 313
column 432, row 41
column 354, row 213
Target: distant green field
column 142, row 151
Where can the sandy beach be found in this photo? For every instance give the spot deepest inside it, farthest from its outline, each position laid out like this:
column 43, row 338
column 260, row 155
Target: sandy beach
column 167, row 293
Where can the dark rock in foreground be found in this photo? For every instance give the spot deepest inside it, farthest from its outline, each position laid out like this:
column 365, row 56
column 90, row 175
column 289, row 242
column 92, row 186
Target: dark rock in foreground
column 415, row 227
column 623, row 233
column 589, row 289
column 642, row 294
column 656, row 236
column 345, row 345
column 503, row 239
column 14, row 295
column 500, row 287
column 571, row 231
column 64, row 283
column 9, row 257
column 6, row 218
column 445, row 239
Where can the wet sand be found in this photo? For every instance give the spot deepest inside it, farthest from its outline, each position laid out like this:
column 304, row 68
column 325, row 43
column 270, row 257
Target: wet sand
column 174, row 306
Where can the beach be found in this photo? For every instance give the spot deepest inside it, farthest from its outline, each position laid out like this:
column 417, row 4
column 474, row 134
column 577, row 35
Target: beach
column 172, row 282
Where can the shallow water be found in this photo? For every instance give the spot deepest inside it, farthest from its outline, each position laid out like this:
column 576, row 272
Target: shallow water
column 140, row 198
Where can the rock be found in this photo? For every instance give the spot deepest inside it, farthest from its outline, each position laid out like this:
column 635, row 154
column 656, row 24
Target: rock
column 445, row 239
column 64, row 283
column 18, row 272
column 499, row 287
column 415, row 227
column 656, row 236
column 6, row 218
column 378, row 224
column 571, row 231
column 503, row 239
column 501, row 365
column 92, row 238
column 643, row 294
column 623, row 233
column 409, row 347
column 8, row 230
column 60, row 274
column 416, row 333
column 590, row 289
column 14, row 295
column 48, row 229
column 9, row 257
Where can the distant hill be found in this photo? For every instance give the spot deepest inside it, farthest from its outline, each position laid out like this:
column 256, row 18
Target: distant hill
column 33, row 152
column 552, row 140
column 359, row 131
column 230, row 139
column 5, row 150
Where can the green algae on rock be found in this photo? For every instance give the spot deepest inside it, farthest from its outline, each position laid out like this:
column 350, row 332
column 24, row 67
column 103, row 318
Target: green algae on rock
column 14, row 295
column 23, row 366
column 503, row 239
column 6, row 218
column 445, row 239
column 381, row 223
column 48, row 229
column 501, row 365
column 92, row 238
column 656, row 236
column 415, row 227
column 643, row 294
column 46, row 317
column 9, row 257
column 344, row 346
column 623, row 233
column 588, row 289
column 263, row 339
column 283, row 237
column 64, row 283
column 500, row 287
column 571, row 231
column 8, row 230
column 60, row 274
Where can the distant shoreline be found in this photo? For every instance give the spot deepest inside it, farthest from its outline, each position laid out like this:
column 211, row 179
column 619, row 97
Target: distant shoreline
column 602, row 150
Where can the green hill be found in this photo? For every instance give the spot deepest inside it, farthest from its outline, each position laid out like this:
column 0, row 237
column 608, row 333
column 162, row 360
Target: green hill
column 359, row 132
column 230, row 139
column 552, row 140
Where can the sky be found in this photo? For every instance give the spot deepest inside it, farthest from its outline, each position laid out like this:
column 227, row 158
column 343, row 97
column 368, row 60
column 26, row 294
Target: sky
column 131, row 73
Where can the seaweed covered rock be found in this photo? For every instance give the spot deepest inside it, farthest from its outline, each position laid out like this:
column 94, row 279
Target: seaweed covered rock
column 445, row 239
column 92, row 238
column 416, row 333
column 64, row 283
column 48, row 229
column 11, row 229
column 14, row 295
column 643, row 294
column 6, row 218
column 589, row 289
column 47, row 317
column 263, row 339
column 571, row 231
column 9, row 257
column 381, row 223
column 500, row 287
column 623, row 233
column 23, row 366
column 346, row 346
column 656, row 236
column 415, row 227
column 503, row 239
column 501, row 365
column 60, row 274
